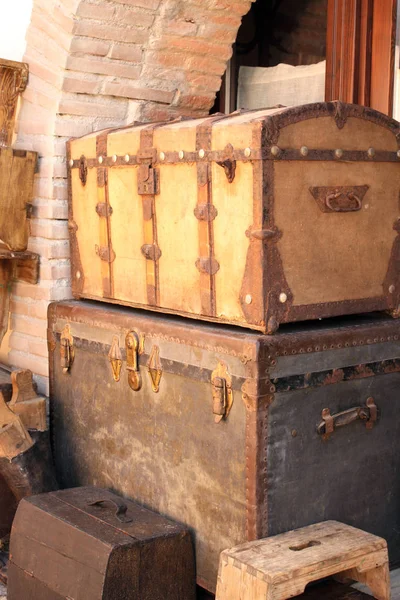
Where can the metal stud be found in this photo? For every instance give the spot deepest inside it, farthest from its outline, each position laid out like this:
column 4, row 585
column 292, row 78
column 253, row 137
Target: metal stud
column 100, row 159
column 162, row 156
column 391, row 289
column 371, row 152
column 398, row 153
column 338, row 153
column 304, row 150
column 201, row 153
column 275, row 151
column 127, row 158
column 114, row 158
column 282, row 297
column 248, row 299
column 71, row 163
column 78, row 274
column 181, row 154
column 247, row 152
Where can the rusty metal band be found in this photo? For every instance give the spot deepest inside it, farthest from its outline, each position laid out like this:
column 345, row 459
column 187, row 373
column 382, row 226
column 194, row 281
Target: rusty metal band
column 207, row 263
column 78, row 278
column 150, row 226
column 239, row 155
column 257, row 409
column 275, row 280
column 391, row 285
column 104, row 250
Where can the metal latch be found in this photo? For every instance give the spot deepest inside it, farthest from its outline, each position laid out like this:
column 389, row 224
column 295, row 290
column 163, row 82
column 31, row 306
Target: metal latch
column 105, row 254
column 66, row 349
column 367, row 413
column 221, row 392
column 132, row 345
column 148, row 176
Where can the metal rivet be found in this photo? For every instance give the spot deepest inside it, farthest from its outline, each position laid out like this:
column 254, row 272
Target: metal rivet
column 391, row 289
column 100, row 159
column 247, row 152
column 114, row 158
column 398, row 153
column 275, row 151
column 371, row 152
column 248, row 299
column 162, row 156
column 304, row 150
column 338, row 153
column 71, row 163
column 181, row 154
column 78, row 274
column 294, row 433
column 127, row 158
column 201, row 153
column 282, row 297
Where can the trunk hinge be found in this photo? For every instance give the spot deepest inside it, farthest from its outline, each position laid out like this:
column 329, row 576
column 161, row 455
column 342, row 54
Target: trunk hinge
column 222, row 393
column 133, row 350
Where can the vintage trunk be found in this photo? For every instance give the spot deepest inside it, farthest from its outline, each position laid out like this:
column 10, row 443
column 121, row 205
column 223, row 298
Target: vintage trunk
column 90, row 544
column 253, row 219
column 236, row 434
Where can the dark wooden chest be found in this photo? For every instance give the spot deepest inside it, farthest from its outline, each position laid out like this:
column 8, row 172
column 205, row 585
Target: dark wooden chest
column 236, row 434
column 90, row 544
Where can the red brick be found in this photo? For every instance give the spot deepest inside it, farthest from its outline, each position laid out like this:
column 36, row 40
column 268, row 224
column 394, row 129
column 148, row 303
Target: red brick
column 128, row 16
column 82, row 86
column 207, row 82
column 53, row 209
column 110, row 32
column 195, row 46
column 38, row 365
column 205, row 65
column 214, row 32
column 181, row 27
column 126, row 91
column 93, row 108
column 86, row 45
column 129, row 52
column 149, row 4
column 103, row 67
column 197, row 102
column 101, row 12
column 49, row 228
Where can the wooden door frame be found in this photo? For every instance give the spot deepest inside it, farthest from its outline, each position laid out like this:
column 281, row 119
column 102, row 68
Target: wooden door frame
column 361, row 39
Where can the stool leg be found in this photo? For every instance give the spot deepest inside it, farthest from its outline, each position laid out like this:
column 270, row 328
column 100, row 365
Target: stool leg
column 378, row 581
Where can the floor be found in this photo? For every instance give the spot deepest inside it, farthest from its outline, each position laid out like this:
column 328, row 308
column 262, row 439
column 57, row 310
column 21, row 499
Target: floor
column 395, row 577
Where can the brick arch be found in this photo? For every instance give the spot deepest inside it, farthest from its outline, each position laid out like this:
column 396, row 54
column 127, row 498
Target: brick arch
column 96, row 64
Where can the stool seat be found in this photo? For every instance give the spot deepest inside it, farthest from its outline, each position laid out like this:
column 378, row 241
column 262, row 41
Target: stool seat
column 280, row 567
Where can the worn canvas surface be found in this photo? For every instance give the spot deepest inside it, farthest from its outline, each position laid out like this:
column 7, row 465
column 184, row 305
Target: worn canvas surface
column 284, row 84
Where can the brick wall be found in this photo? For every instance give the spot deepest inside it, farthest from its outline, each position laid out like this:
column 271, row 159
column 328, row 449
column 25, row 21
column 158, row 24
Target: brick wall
column 95, row 64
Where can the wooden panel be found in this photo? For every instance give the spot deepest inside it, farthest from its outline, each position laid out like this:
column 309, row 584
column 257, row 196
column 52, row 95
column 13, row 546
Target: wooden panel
column 383, row 53
column 179, row 277
column 17, row 169
column 234, row 203
column 84, row 201
column 360, row 52
column 338, row 256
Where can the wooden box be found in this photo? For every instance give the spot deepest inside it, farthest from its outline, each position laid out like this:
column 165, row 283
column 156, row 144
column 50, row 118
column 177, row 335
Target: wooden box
column 89, row 544
column 17, row 170
column 235, row 434
column 252, row 219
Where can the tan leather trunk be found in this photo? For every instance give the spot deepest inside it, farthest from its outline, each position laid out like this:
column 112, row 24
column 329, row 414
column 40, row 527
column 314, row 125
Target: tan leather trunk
column 253, row 219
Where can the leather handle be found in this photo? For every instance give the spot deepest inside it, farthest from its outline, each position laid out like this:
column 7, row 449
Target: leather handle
column 367, row 413
column 351, row 198
column 120, row 513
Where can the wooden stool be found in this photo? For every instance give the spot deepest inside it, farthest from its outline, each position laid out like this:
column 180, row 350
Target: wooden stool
column 280, row 567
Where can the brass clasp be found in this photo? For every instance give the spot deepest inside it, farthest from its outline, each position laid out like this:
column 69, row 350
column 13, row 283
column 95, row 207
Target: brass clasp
column 132, row 345
column 115, row 358
column 66, row 349
column 222, row 392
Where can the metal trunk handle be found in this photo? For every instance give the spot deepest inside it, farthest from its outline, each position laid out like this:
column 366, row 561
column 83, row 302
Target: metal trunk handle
column 367, row 413
column 350, row 208
column 121, row 507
